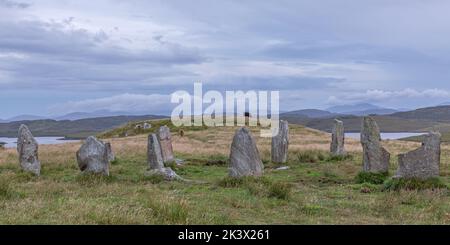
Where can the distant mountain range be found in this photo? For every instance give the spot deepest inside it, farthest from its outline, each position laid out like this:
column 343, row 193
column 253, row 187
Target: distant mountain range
column 74, row 116
column 419, row 120
column 80, row 124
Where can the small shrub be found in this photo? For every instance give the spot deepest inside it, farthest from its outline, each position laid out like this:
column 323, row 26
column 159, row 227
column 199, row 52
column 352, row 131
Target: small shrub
column 311, row 156
column 280, row 190
column 372, row 178
column 154, row 178
column 396, row 184
column 5, row 189
column 339, row 158
column 258, row 186
column 217, row 160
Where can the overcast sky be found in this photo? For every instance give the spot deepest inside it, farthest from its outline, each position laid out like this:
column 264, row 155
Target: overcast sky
column 63, row 56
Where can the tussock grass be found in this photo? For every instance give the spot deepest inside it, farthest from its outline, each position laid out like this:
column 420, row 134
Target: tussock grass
column 395, row 184
column 259, row 186
column 372, row 178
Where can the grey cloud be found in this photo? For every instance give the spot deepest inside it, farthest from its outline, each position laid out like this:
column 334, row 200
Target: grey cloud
column 13, row 4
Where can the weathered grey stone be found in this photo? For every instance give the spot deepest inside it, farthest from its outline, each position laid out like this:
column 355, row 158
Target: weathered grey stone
column 165, row 141
column 154, row 157
column 109, row 151
column 280, row 143
column 155, row 161
column 147, row 126
column 27, row 147
column 337, row 138
column 375, row 157
column 244, row 156
column 424, row 162
column 92, row 157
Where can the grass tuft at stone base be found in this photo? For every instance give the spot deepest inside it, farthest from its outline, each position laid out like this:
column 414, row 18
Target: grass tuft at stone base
column 372, row 178
column 396, row 184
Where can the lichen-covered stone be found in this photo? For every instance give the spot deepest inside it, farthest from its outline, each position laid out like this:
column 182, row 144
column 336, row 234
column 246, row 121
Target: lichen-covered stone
column 280, row 143
column 92, row 157
column 337, row 139
column 27, row 148
column 165, row 141
column 375, row 157
column 424, row 162
column 244, row 156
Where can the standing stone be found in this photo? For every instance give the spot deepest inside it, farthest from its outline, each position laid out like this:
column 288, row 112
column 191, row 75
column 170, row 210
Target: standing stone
column 92, row 157
column 375, row 157
column 337, row 138
column 27, row 147
column 165, row 140
column 280, row 143
column 155, row 161
column 424, row 162
column 109, row 151
column 154, row 156
column 147, row 126
column 244, row 156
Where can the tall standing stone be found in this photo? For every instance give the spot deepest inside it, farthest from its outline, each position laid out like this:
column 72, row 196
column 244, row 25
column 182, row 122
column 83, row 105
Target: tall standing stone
column 424, row 162
column 244, row 156
column 280, row 143
column 92, row 157
column 155, row 161
column 337, row 138
column 165, row 140
column 375, row 157
column 109, row 151
column 154, row 156
column 27, row 147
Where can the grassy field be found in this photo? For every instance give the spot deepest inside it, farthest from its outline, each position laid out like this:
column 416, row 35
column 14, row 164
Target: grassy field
column 317, row 189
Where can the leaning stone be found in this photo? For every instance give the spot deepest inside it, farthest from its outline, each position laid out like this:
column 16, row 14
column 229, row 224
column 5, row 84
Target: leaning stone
column 27, row 147
column 375, row 157
column 111, row 156
column 280, row 143
column 155, row 161
column 165, row 140
column 92, row 157
column 244, row 156
column 337, row 138
column 424, row 162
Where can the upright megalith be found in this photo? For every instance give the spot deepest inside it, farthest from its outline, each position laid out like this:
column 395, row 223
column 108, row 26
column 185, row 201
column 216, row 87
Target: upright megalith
column 424, row 162
column 27, row 147
column 337, row 138
column 155, row 160
column 154, row 156
column 280, row 143
column 244, row 156
column 165, row 140
column 92, row 157
column 375, row 157
column 109, row 151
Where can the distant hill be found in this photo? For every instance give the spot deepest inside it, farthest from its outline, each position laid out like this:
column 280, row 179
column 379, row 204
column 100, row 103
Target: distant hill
column 362, row 109
column 95, row 114
column 71, row 129
column 22, row 118
column 310, row 113
column 438, row 114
